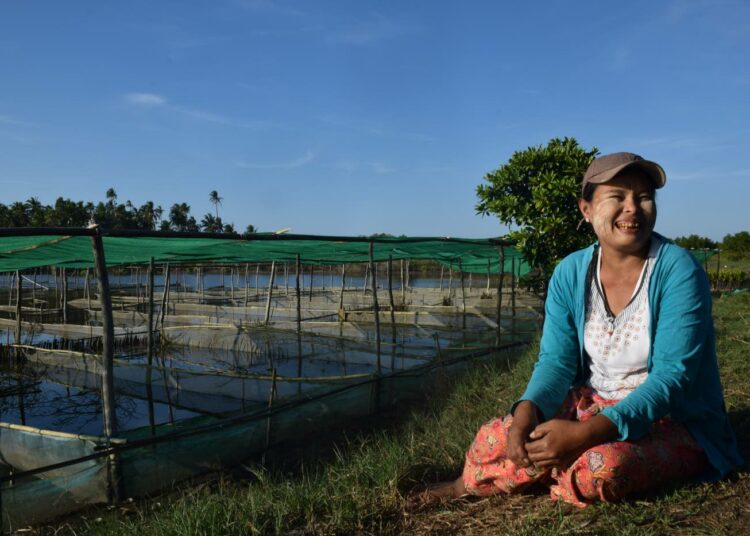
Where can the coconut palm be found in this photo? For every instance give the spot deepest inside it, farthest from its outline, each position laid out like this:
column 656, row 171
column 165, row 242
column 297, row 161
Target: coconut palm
column 213, row 196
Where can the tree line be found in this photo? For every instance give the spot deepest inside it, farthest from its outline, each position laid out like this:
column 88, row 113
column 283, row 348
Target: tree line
column 736, row 245
column 111, row 214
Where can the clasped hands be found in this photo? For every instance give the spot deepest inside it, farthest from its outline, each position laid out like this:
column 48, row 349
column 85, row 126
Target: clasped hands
column 553, row 443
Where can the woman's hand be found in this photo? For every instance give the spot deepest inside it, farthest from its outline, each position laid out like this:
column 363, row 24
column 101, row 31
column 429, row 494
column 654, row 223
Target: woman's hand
column 525, row 420
column 559, row 442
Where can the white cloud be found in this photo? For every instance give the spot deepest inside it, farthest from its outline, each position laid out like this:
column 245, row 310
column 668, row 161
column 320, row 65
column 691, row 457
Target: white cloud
column 152, row 100
column 145, row 99
column 305, row 159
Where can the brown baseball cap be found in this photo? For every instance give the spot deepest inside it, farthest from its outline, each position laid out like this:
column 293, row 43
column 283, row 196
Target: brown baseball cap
column 607, row 167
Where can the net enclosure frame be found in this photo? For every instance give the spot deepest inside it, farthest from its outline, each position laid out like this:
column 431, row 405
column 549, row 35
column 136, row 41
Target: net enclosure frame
column 101, row 458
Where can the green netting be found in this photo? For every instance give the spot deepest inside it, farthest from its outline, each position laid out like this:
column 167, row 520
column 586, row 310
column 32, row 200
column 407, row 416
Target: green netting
column 471, row 255
column 702, row 255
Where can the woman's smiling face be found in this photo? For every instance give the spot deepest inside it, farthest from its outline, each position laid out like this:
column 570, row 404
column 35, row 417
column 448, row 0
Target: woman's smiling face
column 622, row 212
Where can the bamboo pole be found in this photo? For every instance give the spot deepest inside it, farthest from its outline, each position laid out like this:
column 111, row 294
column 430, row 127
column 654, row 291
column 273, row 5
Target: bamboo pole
column 271, row 397
column 341, row 295
column 10, row 288
column 442, row 268
column 298, row 265
column 390, row 297
column 247, row 286
column 450, row 280
column 150, row 342
column 108, row 386
column 257, row 274
column 463, row 295
column 488, row 276
column 501, row 274
column 164, row 299
column 367, row 279
column 231, row 284
column 392, row 304
column 513, row 293
column 19, row 288
column 376, row 314
column 88, row 289
column 312, row 275
column 286, row 279
column 270, row 292
column 64, row 277
column 33, row 289
column 403, row 287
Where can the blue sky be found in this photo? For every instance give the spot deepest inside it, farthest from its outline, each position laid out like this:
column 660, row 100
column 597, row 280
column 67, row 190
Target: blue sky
column 355, row 117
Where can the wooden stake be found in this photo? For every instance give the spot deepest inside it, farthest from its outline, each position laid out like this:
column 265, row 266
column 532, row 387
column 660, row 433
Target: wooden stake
column 270, row 292
column 108, row 333
column 376, row 314
column 150, row 342
column 257, row 273
column 488, row 276
column 463, row 295
column 390, row 289
column 312, row 275
column 501, row 274
column 64, row 276
column 513, row 292
column 298, row 266
column 247, row 287
column 19, row 288
column 403, row 287
column 341, row 295
column 164, row 299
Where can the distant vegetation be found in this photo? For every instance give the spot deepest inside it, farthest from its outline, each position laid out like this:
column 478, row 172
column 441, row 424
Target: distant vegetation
column 736, row 246
column 113, row 215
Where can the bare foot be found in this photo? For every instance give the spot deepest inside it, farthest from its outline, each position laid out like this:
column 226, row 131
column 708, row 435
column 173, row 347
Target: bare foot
column 437, row 493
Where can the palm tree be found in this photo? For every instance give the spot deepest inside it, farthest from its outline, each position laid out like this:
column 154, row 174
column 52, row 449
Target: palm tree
column 213, row 196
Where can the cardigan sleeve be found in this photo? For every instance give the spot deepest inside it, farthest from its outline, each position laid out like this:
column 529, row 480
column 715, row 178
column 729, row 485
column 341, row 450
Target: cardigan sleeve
column 682, row 317
column 559, row 353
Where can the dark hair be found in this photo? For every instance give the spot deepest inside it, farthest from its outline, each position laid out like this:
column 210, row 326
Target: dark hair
column 588, row 191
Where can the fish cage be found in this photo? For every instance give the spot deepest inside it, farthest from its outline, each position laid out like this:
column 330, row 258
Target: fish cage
column 131, row 361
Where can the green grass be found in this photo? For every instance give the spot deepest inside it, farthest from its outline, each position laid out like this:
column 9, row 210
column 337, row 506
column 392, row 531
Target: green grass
column 360, row 485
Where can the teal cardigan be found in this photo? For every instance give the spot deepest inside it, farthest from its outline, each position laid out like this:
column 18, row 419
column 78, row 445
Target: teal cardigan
column 683, row 375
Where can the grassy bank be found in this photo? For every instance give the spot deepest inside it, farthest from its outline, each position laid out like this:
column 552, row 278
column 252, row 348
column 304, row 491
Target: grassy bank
column 359, row 486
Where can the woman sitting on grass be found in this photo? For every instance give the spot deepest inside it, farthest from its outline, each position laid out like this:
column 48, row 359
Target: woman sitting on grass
column 625, row 396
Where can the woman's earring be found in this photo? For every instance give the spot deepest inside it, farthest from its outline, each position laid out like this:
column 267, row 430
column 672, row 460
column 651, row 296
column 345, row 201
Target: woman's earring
column 587, row 220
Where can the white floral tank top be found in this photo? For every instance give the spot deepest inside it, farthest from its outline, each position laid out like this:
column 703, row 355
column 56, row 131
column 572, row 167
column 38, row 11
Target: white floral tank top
column 617, row 348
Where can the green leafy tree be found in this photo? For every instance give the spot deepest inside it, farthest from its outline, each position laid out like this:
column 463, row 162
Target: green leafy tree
column 737, row 245
column 537, row 190
column 250, row 229
column 695, row 242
